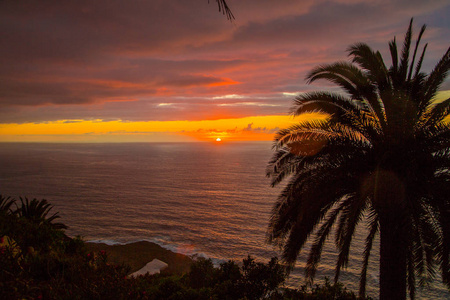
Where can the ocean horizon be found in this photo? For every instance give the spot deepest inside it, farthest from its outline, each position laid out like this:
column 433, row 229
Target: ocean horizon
column 211, row 200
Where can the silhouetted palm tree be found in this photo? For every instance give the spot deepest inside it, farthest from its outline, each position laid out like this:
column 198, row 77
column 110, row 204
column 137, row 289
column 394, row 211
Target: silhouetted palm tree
column 37, row 211
column 383, row 155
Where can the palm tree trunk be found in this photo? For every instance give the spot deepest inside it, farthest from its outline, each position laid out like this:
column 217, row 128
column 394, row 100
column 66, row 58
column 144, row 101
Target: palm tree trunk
column 389, row 196
column 393, row 251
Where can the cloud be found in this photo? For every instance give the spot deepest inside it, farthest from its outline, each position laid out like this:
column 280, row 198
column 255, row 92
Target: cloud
column 232, row 96
column 121, row 59
column 237, row 131
column 266, row 130
column 72, row 121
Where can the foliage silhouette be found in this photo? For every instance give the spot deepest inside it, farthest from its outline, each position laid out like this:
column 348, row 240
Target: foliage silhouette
column 6, row 204
column 37, row 211
column 223, row 7
column 383, row 155
column 39, row 261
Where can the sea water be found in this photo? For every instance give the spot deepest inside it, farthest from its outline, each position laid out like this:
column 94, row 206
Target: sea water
column 201, row 199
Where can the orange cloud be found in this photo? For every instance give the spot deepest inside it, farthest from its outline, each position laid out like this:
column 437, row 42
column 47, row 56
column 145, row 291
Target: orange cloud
column 116, row 84
column 225, row 81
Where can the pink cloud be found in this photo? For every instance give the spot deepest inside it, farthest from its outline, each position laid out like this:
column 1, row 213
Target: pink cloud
column 120, row 59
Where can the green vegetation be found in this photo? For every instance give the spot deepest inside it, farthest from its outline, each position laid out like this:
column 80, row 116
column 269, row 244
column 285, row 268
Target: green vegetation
column 39, row 261
column 383, row 155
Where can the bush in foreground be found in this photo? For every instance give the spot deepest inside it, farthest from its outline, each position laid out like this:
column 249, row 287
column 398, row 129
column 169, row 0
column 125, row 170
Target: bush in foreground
column 39, row 261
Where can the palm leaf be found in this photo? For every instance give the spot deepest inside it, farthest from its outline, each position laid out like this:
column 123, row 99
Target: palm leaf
column 348, row 221
column 6, row 204
column 321, row 237
column 404, row 62
column 437, row 76
column 422, row 30
column 373, row 224
column 437, row 113
column 372, row 62
column 394, row 56
column 223, row 7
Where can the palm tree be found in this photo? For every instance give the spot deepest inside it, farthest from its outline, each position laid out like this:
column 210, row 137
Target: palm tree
column 37, row 211
column 382, row 156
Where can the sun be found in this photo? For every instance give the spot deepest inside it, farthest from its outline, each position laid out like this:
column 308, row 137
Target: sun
column 218, row 140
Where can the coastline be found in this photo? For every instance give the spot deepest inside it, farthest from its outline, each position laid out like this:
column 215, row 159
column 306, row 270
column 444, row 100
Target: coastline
column 138, row 254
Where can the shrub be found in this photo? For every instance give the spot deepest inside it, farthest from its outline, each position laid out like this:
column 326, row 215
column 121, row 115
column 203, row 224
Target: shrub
column 39, row 261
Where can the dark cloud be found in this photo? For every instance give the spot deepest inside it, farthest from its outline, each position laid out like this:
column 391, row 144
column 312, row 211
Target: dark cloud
column 237, row 130
column 86, row 59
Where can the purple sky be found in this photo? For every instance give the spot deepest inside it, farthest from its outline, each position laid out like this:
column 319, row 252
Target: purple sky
column 142, row 60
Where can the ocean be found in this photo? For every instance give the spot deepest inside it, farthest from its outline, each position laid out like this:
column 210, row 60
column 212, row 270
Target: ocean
column 202, row 199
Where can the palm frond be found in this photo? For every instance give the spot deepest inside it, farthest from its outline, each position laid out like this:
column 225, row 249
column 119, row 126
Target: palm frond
column 373, row 224
column 309, row 137
column 300, row 207
column 348, row 133
column 347, row 76
column 338, row 106
column 394, row 56
column 437, row 76
column 349, row 219
column 6, row 204
column 420, row 62
column 441, row 190
column 284, row 212
column 416, row 95
column 353, row 80
column 425, row 231
column 321, row 237
column 411, row 278
column 364, row 123
column 283, row 164
column 324, row 102
column 372, row 62
column 436, row 114
column 307, row 130
column 404, row 61
column 436, row 138
column 422, row 30
column 223, row 7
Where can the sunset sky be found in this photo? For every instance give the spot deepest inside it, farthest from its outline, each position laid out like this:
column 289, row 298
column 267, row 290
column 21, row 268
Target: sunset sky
column 159, row 70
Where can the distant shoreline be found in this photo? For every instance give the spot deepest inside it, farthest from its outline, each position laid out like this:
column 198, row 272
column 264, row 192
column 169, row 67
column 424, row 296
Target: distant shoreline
column 138, row 254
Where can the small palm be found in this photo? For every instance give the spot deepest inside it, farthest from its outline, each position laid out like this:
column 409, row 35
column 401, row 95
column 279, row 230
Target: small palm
column 38, row 211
